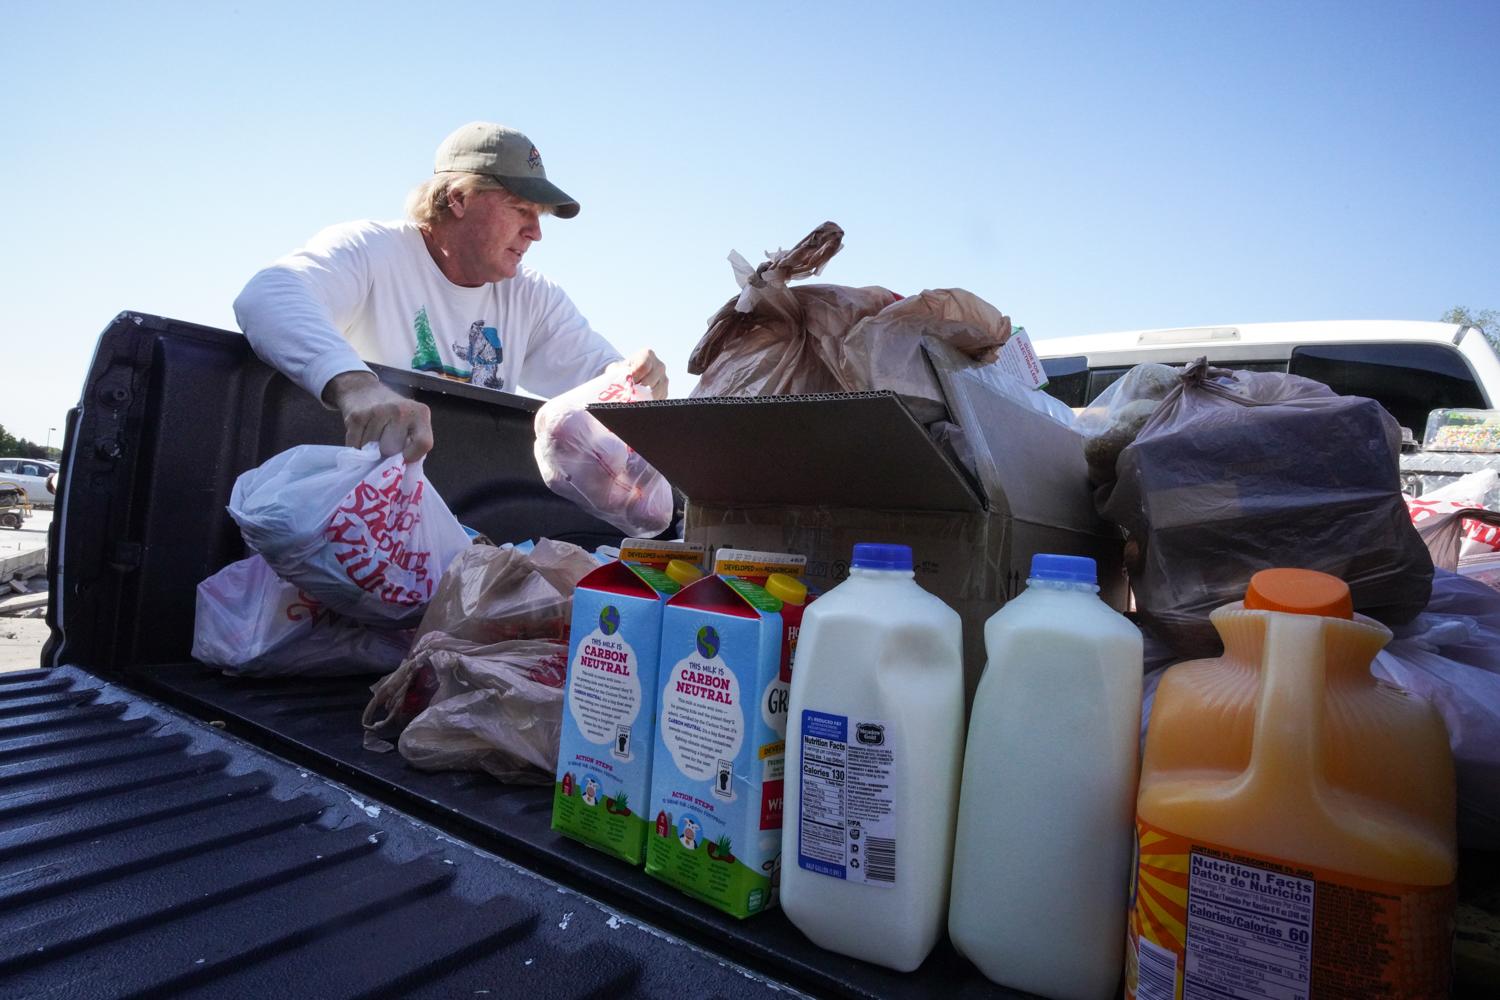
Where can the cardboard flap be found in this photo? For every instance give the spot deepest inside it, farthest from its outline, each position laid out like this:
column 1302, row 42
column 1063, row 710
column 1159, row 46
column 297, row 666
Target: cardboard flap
column 845, row 450
column 1030, row 466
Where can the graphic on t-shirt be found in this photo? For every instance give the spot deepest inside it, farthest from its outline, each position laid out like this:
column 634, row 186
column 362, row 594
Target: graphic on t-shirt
column 427, row 358
column 485, row 353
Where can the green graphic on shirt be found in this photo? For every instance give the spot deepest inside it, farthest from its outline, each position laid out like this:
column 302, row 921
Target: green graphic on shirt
column 426, row 358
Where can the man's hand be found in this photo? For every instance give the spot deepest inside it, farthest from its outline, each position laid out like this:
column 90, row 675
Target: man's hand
column 646, row 369
column 372, row 412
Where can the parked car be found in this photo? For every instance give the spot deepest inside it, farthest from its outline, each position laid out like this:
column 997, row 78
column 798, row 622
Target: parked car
column 31, row 475
column 1411, row 368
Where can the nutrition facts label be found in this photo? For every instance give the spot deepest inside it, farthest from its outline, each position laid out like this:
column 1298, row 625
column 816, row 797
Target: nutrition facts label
column 847, row 809
column 1249, row 932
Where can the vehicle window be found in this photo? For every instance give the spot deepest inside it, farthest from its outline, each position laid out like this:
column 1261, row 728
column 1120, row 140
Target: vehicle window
column 30, row 470
column 1067, row 379
column 1083, row 388
column 1409, row 380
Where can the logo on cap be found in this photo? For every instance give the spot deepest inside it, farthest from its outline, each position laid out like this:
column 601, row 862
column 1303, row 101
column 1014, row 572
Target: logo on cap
column 534, row 159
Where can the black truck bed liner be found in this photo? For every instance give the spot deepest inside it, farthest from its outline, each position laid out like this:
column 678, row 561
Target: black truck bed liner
column 145, row 854
column 316, row 722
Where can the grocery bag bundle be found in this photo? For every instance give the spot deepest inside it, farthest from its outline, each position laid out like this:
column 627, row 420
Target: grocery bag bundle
column 348, row 551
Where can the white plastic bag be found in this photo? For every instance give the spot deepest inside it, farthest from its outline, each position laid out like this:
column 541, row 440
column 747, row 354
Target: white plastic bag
column 367, row 536
column 581, row 460
column 1453, row 542
column 251, row 622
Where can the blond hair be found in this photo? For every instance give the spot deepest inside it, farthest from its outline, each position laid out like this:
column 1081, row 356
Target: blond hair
column 430, row 201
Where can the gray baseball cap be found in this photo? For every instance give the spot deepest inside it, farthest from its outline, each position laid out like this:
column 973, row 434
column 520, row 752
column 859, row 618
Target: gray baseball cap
column 507, row 156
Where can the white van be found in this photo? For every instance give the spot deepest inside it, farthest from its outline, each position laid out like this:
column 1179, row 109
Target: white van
column 1411, row 368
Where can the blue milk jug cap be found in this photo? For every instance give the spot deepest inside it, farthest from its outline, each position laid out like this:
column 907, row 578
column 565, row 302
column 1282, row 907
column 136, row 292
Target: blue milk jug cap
column 873, row 555
column 1064, row 569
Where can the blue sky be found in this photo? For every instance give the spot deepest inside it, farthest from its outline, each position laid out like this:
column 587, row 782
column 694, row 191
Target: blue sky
column 1085, row 167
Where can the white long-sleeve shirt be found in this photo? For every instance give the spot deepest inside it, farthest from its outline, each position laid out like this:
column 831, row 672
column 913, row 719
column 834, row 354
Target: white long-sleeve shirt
column 371, row 290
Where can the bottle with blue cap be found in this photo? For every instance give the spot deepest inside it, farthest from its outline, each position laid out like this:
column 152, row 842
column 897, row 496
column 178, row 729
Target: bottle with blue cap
column 874, row 744
column 1043, row 853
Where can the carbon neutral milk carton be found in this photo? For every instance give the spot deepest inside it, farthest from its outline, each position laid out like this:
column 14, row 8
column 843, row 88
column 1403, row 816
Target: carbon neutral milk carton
column 605, row 753
column 716, row 787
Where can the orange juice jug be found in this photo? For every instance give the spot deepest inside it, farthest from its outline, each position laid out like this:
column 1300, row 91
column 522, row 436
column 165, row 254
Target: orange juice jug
column 1296, row 817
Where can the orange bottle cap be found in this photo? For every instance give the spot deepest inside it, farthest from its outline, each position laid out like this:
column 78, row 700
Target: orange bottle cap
column 1299, row 592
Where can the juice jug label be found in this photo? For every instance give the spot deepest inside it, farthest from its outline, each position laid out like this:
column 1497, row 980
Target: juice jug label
column 846, row 816
column 1212, row 921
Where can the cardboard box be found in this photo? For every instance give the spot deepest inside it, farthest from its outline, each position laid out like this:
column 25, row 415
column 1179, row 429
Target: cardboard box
column 609, row 713
column 816, row 474
column 717, row 774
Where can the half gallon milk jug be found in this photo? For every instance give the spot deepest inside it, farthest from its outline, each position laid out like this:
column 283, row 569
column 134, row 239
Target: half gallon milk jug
column 1296, row 817
column 874, row 740
column 1042, row 861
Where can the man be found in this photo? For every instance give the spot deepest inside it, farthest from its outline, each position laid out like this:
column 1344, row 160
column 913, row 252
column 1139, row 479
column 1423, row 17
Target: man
column 444, row 293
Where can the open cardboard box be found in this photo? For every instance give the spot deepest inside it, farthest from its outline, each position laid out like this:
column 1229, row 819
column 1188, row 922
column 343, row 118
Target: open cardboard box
column 816, row 474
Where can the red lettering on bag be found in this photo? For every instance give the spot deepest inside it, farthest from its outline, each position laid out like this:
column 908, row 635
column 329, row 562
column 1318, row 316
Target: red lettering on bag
column 343, row 532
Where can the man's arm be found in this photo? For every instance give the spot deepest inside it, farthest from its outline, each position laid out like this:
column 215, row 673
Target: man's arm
column 373, row 412
column 293, row 313
column 564, row 351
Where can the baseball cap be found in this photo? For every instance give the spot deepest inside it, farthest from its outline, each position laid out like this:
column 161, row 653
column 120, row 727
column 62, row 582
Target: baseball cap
column 507, row 156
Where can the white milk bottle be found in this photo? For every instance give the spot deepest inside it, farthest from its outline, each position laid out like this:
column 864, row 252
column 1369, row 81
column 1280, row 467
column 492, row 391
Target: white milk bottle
column 874, row 740
column 1042, row 861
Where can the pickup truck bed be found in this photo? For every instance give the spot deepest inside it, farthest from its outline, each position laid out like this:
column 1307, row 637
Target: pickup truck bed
column 166, row 830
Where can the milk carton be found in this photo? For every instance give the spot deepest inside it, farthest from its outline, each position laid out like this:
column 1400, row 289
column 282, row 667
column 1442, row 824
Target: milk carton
column 716, row 786
column 605, row 753
column 780, row 573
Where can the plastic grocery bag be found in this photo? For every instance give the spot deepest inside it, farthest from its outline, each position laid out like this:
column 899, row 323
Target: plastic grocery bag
column 581, row 460
column 1450, row 655
column 396, row 699
column 1112, row 421
column 497, row 708
column 494, row 594
column 884, row 351
column 251, row 622
column 1236, row 472
column 773, row 340
column 367, row 536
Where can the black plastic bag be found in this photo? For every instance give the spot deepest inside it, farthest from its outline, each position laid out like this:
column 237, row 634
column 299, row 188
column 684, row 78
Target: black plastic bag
column 1236, row 472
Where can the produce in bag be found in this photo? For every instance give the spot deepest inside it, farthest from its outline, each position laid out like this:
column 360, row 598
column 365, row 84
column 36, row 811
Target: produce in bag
column 884, row 351
column 251, row 622
column 1236, row 472
column 493, row 594
column 396, row 699
column 777, row 340
column 366, row 536
column 773, row 340
column 582, row 461
column 497, row 708
column 1116, row 416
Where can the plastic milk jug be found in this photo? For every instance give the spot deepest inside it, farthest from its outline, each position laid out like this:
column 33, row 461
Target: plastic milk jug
column 1042, row 859
column 1296, row 817
column 874, row 742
